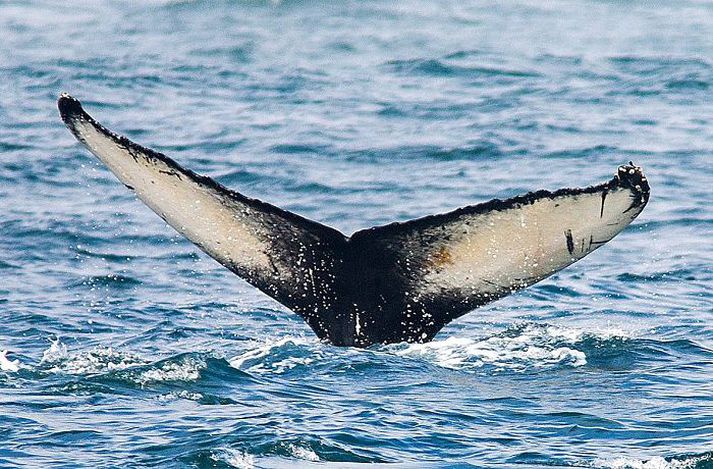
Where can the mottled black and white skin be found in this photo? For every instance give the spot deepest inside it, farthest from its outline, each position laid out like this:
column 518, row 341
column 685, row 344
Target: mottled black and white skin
column 394, row 283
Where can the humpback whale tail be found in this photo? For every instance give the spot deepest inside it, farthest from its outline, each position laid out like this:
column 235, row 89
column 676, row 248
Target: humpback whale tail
column 393, row 283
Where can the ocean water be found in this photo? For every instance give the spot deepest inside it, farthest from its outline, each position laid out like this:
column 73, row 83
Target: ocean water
column 124, row 346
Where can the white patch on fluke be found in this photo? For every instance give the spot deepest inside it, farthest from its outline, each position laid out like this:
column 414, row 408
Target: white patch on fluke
column 195, row 210
column 507, row 249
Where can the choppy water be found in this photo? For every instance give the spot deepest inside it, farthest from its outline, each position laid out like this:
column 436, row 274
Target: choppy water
column 128, row 347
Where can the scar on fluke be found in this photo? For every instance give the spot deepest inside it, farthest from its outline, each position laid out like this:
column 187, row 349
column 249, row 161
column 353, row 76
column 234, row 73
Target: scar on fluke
column 570, row 241
column 604, row 196
column 401, row 282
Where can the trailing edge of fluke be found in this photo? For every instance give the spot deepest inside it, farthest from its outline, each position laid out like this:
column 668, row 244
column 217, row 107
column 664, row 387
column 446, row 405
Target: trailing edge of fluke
column 392, row 283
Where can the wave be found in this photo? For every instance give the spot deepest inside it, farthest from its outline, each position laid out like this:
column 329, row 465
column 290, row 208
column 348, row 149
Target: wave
column 653, row 75
column 694, row 462
column 655, row 65
column 109, row 257
column 108, row 281
column 523, row 347
column 7, row 364
column 520, row 348
column 439, row 68
column 481, row 150
column 279, row 355
column 56, row 351
column 688, row 461
column 122, row 366
column 182, row 369
column 234, row 458
column 684, row 461
column 56, row 359
column 283, row 450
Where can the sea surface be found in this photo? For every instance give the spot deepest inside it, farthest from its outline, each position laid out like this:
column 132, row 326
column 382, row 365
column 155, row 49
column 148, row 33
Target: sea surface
column 125, row 346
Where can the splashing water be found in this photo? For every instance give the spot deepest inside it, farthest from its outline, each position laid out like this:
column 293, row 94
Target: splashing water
column 531, row 346
column 8, row 365
column 235, row 458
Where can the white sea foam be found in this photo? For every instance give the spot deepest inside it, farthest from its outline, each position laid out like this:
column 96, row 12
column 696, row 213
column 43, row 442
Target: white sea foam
column 257, row 360
column 98, row 360
column 653, row 463
column 55, row 352
column 106, row 359
column 300, row 452
column 234, row 458
column 8, row 365
column 523, row 347
column 527, row 347
column 182, row 394
column 264, row 349
column 184, row 370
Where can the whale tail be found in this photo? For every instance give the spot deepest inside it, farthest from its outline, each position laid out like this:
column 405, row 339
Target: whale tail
column 399, row 282
column 290, row 258
column 446, row 265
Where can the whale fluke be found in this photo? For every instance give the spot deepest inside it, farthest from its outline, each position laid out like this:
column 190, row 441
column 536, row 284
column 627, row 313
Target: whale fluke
column 393, row 283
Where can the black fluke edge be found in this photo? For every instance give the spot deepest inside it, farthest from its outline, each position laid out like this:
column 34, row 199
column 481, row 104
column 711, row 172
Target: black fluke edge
column 69, row 107
column 632, row 177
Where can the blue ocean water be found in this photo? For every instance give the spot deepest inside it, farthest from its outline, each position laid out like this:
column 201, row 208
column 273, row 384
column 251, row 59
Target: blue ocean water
column 126, row 346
